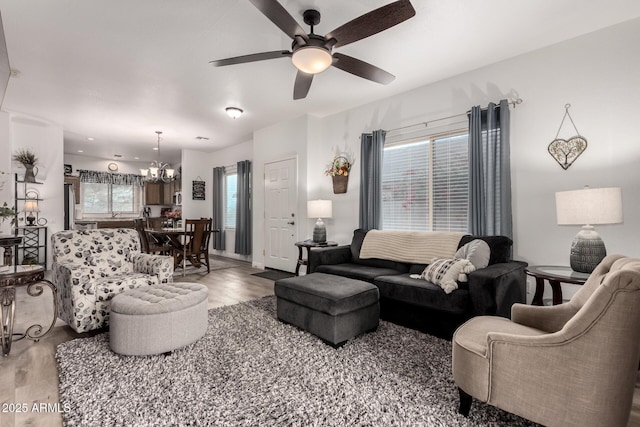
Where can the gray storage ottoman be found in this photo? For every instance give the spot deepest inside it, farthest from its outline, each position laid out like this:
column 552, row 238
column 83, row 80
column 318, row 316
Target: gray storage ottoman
column 158, row 319
column 334, row 308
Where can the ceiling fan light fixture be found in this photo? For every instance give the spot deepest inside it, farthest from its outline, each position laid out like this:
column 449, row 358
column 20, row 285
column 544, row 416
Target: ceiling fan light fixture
column 234, row 112
column 311, row 59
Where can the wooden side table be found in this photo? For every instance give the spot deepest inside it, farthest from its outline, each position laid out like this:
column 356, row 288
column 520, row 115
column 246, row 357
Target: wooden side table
column 31, row 276
column 309, row 244
column 554, row 275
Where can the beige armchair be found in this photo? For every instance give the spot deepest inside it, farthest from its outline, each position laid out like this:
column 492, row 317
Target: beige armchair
column 573, row 364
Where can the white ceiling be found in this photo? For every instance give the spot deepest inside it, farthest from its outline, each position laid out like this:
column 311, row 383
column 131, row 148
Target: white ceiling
column 118, row 70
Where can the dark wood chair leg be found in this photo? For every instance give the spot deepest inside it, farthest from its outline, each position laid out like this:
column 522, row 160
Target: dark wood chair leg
column 465, row 402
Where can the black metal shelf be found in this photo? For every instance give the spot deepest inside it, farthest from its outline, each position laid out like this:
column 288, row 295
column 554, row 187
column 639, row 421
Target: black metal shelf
column 33, row 248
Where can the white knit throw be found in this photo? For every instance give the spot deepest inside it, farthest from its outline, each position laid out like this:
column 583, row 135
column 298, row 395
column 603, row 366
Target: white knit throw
column 416, row 247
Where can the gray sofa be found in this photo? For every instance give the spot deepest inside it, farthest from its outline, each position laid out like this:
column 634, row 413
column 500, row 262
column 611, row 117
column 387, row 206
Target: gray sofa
column 422, row 305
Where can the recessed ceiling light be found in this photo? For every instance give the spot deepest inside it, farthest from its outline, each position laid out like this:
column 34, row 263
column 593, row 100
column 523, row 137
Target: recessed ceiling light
column 155, row 148
column 136, row 158
column 234, row 112
column 91, row 138
column 80, row 151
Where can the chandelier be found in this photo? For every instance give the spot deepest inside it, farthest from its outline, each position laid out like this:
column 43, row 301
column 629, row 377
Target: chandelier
column 158, row 171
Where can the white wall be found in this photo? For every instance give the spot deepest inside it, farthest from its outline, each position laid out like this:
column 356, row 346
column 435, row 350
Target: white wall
column 96, row 164
column 46, row 141
column 6, row 179
column 596, row 73
column 230, row 157
column 278, row 142
column 196, row 166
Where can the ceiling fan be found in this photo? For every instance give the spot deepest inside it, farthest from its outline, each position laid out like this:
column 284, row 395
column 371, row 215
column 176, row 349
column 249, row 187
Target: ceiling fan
column 312, row 53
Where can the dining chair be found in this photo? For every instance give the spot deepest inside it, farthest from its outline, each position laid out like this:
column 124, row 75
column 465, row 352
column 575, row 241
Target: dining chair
column 156, row 223
column 149, row 246
column 196, row 243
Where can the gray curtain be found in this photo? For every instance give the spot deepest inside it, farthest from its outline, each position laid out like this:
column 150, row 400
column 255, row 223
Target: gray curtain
column 218, row 208
column 243, row 209
column 371, row 145
column 489, row 171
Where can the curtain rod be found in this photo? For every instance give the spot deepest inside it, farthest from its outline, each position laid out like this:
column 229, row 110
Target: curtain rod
column 426, row 124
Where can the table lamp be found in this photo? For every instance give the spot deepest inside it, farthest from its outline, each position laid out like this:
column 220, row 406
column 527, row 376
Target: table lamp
column 31, row 206
column 588, row 207
column 319, row 209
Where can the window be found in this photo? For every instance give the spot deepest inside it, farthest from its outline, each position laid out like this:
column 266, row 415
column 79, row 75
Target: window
column 104, row 198
column 230, row 197
column 425, row 184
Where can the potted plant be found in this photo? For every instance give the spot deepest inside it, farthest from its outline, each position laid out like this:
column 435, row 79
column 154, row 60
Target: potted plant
column 29, row 160
column 339, row 170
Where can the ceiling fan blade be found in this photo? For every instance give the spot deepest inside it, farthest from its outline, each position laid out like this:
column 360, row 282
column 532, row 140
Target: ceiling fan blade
column 279, row 16
column 373, row 22
column 302, row 85
column 251, row 58
column 361, row 69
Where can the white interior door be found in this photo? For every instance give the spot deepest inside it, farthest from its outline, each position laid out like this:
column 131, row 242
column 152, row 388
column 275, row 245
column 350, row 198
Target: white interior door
column 281, row 215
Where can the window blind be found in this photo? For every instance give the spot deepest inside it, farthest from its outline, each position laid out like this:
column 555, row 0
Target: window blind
column 230, row 197
column 425, row 184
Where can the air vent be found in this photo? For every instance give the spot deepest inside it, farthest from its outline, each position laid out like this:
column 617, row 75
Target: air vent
column 202, row 138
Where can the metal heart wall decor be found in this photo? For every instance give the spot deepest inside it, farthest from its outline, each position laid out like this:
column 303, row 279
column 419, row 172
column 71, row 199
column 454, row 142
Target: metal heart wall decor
column 565, row 152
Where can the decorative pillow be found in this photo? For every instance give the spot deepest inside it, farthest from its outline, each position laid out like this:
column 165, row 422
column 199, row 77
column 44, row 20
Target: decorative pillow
column 477, row 251
column 500, row 246
column 444, row 272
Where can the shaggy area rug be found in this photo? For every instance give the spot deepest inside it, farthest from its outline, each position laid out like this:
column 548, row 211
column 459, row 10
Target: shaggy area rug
column 250, row 369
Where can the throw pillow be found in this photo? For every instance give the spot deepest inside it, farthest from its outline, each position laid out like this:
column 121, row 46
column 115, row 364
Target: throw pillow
column 445, row 272
column 477, row 251
column 500, row 247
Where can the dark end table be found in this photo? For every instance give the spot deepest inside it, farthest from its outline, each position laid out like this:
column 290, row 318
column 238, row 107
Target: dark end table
column 555, row 275
column 309, row 244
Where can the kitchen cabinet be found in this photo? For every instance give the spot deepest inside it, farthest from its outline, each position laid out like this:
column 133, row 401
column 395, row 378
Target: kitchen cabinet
column 153, row 193
column 161, row 193
column 167, row 193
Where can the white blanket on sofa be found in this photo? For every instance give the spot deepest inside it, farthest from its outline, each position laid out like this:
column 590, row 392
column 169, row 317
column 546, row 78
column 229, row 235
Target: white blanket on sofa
column 415, row 247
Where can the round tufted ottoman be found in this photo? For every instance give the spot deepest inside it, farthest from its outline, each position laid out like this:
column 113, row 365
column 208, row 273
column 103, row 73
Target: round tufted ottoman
column 158, row 319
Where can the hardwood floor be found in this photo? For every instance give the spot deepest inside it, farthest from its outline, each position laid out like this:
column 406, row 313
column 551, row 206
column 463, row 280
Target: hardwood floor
column 29, row 374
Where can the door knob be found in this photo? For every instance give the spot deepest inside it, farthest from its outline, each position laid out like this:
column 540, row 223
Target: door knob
column 291, row 222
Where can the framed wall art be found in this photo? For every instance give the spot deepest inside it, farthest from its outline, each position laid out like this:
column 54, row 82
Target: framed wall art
column 198, row 188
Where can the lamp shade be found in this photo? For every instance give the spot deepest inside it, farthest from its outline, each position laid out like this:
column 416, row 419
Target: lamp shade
column 319, row 209
column 589, row 206
column 30, row 206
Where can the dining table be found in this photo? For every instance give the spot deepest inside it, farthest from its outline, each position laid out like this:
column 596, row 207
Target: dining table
column 175, row 237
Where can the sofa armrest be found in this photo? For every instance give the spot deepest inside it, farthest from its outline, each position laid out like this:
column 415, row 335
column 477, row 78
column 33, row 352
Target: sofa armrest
column 76, row 290
column 157, row 265
column 496, row 288
column 328, row 255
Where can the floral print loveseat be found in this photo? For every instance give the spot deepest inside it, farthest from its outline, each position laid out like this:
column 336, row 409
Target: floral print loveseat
column 92, row 266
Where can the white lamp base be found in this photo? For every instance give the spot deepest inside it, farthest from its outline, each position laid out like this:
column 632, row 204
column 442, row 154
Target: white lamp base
column 587, row 250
